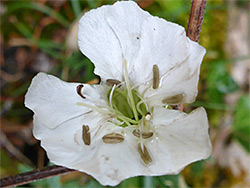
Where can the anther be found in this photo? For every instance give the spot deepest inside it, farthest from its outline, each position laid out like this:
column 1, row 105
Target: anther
column 86, row 134
column 156, row 77
column 113, row 138
column 112, row 82
column 148, row 116
column 144, row 135
column 176, row 99
column 79, row 90
column 144, row 154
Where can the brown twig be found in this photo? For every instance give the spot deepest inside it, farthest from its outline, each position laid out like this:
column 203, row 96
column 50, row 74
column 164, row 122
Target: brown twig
column 195, row 22
column 195, row 19
column 193, row 32
column 34, row 175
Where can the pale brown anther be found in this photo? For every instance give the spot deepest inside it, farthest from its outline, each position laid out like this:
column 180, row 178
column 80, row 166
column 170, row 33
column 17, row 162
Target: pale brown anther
column 86, row 135
column 156, row 77
column 144, row 135
column 113, row 138
column 112, row 82
column 144, row 154
column 79, row 90
column 174, row 100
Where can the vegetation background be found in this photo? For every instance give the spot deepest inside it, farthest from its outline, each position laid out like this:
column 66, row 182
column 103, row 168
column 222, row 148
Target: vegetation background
column 41, row 36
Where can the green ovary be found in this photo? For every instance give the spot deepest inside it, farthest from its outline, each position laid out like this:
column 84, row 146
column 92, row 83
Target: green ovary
column 123, row 109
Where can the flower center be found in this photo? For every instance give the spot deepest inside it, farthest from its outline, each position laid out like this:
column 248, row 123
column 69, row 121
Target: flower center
column 123, row 108
column 125, row 102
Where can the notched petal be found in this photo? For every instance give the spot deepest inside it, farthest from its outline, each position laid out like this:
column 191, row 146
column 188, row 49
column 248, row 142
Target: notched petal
column 86, row 135
column 113, row 138
column 175, row 99
column 145, row 135
column 144, row 154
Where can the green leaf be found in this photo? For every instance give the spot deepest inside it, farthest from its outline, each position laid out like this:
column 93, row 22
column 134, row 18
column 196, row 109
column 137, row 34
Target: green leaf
column 197, row 168
column 220, row 82
column 241, row 126
column 93, row 183
column 148, row 181
column 169, row 181
column 212, row 105
column 172, row 10
column 131, row 182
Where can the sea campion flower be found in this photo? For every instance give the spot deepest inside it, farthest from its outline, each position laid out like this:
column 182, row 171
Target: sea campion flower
column 124, row 126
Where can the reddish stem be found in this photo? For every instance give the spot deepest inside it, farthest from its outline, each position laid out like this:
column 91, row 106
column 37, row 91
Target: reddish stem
column 196, row 19
column 34, row 175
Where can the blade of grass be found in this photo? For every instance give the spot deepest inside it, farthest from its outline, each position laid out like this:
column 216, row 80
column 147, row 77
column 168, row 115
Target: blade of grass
column 24, row 30
column 76, row 7
column 47, row 46
column 39, row 7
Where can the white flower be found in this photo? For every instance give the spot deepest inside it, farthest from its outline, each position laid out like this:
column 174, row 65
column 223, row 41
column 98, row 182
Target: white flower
column 124, row 127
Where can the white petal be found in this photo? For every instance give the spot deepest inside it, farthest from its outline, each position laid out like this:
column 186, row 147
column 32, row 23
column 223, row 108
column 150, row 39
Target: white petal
column 126, row 19
column 162, row 43
column 54, row 101
column 109, row 34
column 98, row 42
column 180, row 143
column 64, row 144
column 161, row 114
column 180, row 79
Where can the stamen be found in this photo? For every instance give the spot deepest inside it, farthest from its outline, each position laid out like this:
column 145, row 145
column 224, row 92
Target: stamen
column 176, row 99
column 79, row 90
column 144, row 135
column 85, row 134
column 111, row 95
column 156, row 77
column 143, row 100
column 112, row 82
column 138, row 107
column 94, row 108
column 144, row 154
column 140, row 134
column 113, row 138
column 130, row 96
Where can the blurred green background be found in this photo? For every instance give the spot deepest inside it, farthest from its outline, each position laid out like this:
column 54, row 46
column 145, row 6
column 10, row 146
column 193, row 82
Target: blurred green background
column 41, row 36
